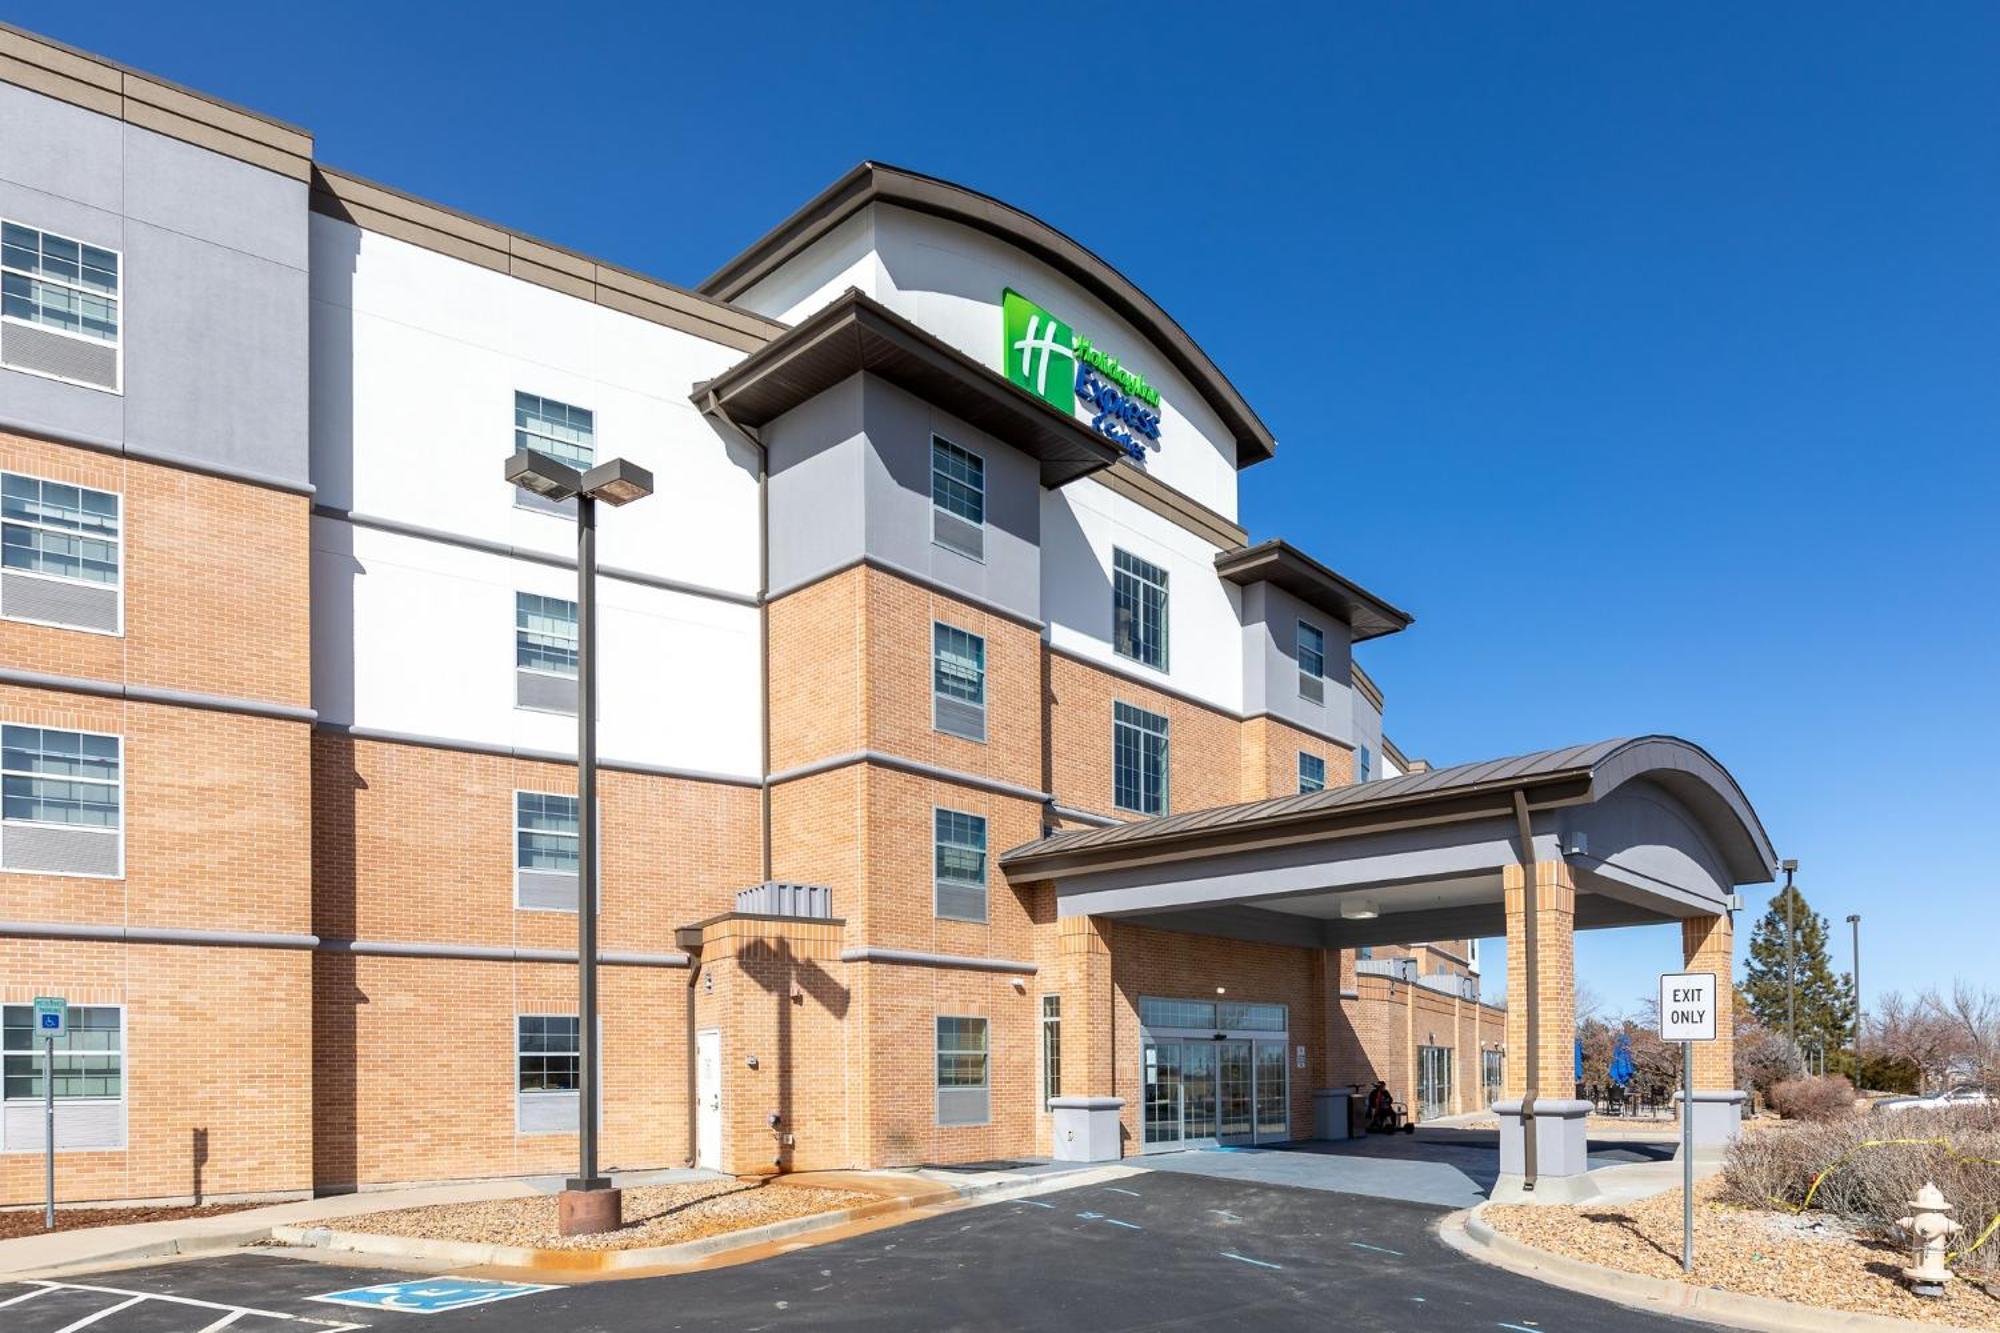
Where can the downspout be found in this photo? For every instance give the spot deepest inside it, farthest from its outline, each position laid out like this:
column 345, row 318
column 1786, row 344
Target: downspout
column 1531, row 968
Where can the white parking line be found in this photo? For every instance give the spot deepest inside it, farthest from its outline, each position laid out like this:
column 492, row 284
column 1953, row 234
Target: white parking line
column 229, row 1314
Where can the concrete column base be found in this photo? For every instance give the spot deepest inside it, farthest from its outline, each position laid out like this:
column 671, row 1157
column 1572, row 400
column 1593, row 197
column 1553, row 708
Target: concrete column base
column 1086, row 1128
column 589, row 1212
column 1562, row 1152
column 1718, row 1121
column 1330, row 1112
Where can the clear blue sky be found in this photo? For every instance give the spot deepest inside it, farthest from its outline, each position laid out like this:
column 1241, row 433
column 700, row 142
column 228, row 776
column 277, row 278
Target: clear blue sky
column 1650, row 356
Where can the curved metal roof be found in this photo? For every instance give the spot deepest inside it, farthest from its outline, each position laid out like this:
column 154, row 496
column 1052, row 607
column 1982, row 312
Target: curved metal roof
column 876, row 182
column 1574, row 775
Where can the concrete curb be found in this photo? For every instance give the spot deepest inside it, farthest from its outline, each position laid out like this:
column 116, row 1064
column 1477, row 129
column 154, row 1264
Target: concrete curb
column 1471, row 1235
column 166, row 1247
column 474, row 1254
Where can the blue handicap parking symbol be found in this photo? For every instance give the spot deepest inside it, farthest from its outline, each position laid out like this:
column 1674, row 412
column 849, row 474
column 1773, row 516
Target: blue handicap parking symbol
column 432, row 1295
column 51, row 1021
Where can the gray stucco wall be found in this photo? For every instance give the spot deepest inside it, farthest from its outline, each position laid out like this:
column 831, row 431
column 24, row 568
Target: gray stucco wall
column 213, row 291
column 850, row 476
column 1271, row 664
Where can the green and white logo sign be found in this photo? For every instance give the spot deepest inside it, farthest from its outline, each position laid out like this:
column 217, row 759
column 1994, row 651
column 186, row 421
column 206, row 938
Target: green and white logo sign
column 1051, row 360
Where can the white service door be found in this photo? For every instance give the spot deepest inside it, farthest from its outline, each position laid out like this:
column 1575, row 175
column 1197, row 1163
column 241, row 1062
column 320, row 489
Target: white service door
column 708, row 1099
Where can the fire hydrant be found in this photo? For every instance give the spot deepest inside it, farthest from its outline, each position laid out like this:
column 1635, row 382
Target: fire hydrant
column 1932, row 1229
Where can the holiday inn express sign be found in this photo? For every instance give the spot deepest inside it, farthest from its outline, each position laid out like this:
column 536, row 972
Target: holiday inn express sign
column 1051, row 360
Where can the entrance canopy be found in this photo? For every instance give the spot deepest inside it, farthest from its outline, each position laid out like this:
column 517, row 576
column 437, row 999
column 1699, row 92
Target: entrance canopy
column 1653, row 830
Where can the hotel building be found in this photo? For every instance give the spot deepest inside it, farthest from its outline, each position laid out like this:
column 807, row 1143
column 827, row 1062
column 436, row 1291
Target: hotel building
column 973, row 787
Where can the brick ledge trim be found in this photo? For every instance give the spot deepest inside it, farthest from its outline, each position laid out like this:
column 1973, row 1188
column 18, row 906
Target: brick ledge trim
column 104, row 445
column 913, row 766
column 521, row 752
column 153, row 694
column 913, row 958
column 246, row 939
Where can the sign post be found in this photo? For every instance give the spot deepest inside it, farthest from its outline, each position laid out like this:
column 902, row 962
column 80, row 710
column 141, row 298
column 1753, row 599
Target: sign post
column 51, row 1021
column 1687, row 1015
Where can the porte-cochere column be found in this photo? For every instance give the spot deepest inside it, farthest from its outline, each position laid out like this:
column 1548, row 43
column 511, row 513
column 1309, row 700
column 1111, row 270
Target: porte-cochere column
column 1543, row 1157
column 1708, row 944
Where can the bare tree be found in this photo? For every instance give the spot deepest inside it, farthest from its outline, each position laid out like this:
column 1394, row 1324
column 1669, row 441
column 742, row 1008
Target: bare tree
column 1973, row 1019
column 1918, row 1031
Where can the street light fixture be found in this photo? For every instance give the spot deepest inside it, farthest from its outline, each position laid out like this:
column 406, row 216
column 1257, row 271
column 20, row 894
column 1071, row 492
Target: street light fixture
column 1854, row 920
column 1790, row 867
column 588, row 1204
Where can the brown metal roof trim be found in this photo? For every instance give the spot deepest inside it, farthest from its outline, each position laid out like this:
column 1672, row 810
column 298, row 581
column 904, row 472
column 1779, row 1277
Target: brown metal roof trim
column 1569, row 776
column 1283, row 565
column 32, row 61
column 876, row 182
column 857, row 334
column 381, row 208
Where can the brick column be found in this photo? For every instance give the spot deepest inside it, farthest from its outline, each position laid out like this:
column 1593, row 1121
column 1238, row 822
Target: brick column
column 1708, row 944
column 1088, row 1053
column 1555, row 927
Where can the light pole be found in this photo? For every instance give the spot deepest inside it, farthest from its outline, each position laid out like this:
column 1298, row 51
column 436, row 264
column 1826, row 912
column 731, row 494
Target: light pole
column 588, row 1204
column 1854, row 921
column 1790, row 867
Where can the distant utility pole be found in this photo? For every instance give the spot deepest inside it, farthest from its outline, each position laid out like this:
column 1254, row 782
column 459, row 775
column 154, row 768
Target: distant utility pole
column 1854, row 920
column 1790, row 867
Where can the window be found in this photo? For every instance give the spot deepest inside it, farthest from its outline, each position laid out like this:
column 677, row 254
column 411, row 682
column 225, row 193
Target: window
column 1138, row 610
column 60, row 801
column 1051, row 1049
column 59, row 554
column 544, row 653
column 958, row 682
column 556, row 429
column 1364, row 763
column 1366, row 951
column 1312, row 772
column 959, row 859
column 545, row 844
column 1213, row 1015
column 546, row 1053
column 958, row 499
column 962, row 1071
column 1138, row 760
column 90, row 1058
column 59, row 307
column 1312, row 663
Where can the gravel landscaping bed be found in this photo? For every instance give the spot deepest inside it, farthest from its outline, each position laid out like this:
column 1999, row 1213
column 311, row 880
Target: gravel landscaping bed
column 654, row 1215
column 1806, row 1259
column 28, row 1221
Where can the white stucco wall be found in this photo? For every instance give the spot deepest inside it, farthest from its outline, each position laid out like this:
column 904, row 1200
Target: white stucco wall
column 1081, row 523
column 416, row 359
column 417, row 636
column 948, row 279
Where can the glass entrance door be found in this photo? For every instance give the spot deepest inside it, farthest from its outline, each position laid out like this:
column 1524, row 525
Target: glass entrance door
column 1200, row 1093
column 1238, row 1123
column 1433, row 1082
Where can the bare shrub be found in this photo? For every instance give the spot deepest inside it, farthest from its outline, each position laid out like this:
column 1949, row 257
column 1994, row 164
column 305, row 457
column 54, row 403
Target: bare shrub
column 1813, row 1098
column 1877, row 1168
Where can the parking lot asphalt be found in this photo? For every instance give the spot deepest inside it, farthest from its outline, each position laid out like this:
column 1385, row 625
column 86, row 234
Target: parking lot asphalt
column 1153, row 1251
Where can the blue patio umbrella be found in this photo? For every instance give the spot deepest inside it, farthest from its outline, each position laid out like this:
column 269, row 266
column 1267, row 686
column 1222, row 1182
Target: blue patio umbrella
column 1621, row 1061
column 1579, row 1059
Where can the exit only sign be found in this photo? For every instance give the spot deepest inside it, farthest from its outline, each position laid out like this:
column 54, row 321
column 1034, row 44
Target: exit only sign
column 1687, row 1006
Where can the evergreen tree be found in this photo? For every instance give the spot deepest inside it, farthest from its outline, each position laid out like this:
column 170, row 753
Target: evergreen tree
column 1825, row 997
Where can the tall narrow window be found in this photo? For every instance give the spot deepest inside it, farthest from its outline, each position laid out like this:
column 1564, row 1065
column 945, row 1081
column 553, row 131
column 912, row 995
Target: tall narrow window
column 958, row 499
column 544, row 653
column 959, row 865
column 1312, row 663
column 59, row 307
column 1051, row 1048
column 546, row 1060
column 962, row 1056
column 60, row 548
column 958, row 682
column 1138, row 610
column 1364, row 763
column 1138, row 760
column 545, row 843
column 61, row 813
column 565, row 433
column 1312, row 772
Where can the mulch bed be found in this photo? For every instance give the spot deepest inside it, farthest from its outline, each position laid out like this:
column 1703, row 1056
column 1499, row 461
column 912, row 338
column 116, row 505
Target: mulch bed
column 28, row 1221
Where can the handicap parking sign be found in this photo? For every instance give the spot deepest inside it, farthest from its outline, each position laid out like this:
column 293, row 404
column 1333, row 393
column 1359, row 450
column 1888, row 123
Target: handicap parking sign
column 432, row 1295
